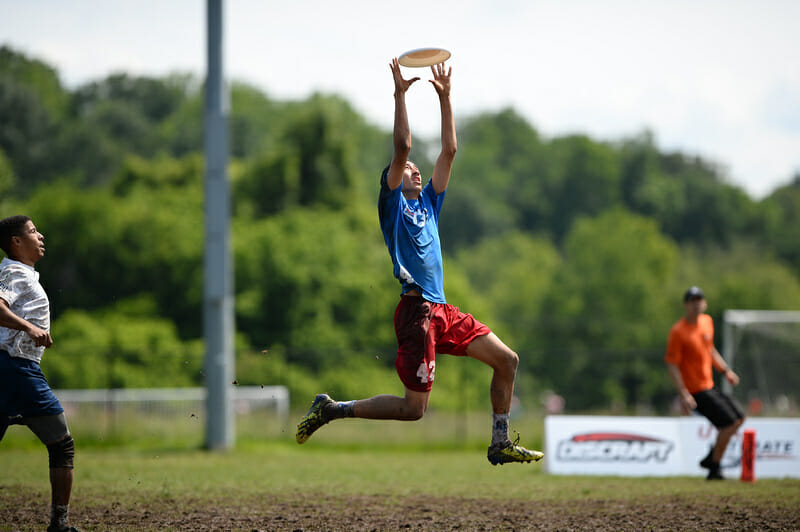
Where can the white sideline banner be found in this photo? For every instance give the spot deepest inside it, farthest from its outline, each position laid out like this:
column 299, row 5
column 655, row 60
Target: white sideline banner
column 664, row 446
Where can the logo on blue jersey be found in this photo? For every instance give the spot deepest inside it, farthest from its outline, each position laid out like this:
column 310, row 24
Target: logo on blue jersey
column 416, row 217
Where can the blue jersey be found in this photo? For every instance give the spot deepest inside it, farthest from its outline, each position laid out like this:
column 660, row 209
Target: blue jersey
column 411, row 232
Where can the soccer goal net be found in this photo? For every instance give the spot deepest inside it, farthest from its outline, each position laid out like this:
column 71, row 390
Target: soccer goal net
column 763, row 347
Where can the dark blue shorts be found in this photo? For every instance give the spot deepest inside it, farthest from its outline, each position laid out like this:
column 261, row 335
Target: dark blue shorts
column 24, row 391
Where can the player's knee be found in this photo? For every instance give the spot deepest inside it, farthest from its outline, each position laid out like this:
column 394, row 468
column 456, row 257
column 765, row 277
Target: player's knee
column 413, row 412
column 731, row 429
column 62, row 453
column 415, row 415
column 508, row 361
column 514, row 360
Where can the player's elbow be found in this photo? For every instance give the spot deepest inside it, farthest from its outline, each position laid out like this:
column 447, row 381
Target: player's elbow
column 402, row 146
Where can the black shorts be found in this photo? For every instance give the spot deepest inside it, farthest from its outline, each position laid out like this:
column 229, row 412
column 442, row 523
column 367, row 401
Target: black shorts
column 720, row 409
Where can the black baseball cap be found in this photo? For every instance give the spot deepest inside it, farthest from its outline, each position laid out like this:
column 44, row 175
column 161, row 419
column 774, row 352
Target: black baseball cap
column 693, row 292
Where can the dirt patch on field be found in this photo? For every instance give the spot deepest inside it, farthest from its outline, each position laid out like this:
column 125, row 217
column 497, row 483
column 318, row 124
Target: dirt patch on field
column 309, row 512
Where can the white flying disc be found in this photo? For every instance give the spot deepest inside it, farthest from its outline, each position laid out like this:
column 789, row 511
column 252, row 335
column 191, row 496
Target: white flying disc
column 422, row 57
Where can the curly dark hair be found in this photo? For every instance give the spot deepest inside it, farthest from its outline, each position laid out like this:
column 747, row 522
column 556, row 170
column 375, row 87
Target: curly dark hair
column 11, row 226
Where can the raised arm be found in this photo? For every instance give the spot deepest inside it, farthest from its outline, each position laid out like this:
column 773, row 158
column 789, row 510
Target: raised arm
column 402, row 133
column 444, row 163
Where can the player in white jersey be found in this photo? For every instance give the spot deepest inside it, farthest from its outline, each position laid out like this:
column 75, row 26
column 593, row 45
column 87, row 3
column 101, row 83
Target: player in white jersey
column 25, row 396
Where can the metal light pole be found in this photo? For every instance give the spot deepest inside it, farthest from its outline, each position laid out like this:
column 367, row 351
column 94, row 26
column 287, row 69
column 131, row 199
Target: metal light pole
column 218, row 277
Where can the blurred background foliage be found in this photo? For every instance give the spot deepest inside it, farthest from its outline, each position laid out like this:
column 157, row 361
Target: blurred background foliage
column 574, row 250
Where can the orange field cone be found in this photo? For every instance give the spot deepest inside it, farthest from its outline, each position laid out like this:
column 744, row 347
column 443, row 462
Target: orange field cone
column 749, row 456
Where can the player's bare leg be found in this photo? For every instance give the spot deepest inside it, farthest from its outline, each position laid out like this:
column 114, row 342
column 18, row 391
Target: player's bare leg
column 408, row 408
column 53, row 432
column 60, row 490
column 324, row 410
column 712, row 461
column 490, row 350
column 60, row 485
column 723, row 438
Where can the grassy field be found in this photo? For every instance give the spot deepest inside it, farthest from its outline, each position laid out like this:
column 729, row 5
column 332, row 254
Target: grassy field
column 367, row 476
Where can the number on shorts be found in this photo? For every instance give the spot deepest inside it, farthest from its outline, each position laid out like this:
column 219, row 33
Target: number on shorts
column 423, row 373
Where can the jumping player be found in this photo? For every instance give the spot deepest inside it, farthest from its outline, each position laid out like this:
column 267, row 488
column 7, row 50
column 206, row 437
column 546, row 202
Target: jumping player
column 25, row 396
column 424, row 323
column 690, row 357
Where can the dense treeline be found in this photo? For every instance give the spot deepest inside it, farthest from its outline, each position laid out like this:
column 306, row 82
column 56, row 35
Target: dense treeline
column 574, row 250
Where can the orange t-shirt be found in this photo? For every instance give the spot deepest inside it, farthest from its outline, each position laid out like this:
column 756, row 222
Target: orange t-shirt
column 689, row 347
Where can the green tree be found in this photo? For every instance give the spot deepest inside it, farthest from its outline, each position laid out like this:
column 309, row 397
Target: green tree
column 145, row 239
column 125, row 346
column 323, row 158
column 319, row 139
column 27, row 131
column 514, row 273
column 783, row 234
column 6, row 177
column 152, row 99
column 732, row 279
column 607, row 304
column 314, row 280
column 588, row 181
column 255, row 121
column 648, row 189
column 497, row 180
column 37, row 76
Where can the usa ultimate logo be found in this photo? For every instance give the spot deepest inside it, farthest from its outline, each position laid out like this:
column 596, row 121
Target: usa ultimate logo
column 614, row 447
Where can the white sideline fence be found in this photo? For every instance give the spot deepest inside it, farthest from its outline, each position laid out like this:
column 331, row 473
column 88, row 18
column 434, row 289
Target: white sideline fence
column 166, row 402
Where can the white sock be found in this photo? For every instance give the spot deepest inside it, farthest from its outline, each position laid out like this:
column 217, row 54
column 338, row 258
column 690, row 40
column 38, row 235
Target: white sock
column 500, row 428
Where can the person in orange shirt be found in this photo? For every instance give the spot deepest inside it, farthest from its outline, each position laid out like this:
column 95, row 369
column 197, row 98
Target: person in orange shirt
column 690, row 357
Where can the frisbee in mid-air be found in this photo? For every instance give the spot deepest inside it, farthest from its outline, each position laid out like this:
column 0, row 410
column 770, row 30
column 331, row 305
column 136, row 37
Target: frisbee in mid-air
column 422, row 57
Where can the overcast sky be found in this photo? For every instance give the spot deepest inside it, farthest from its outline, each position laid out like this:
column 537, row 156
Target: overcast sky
column 719, row 79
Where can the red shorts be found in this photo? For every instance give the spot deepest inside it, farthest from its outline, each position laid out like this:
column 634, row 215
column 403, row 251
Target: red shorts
column 424, row 329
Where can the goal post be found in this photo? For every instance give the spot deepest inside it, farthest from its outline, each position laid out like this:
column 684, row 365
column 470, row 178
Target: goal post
column 763, row 347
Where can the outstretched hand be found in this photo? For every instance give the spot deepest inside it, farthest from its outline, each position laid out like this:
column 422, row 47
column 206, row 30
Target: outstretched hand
column 441, row 80
column 400, row 85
